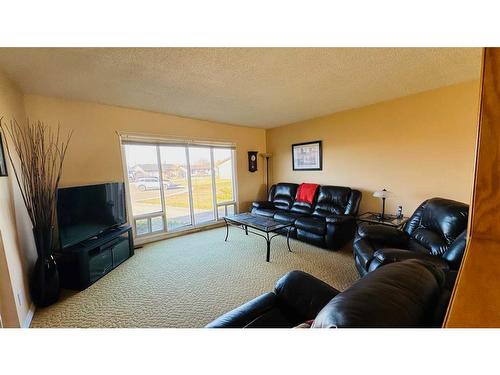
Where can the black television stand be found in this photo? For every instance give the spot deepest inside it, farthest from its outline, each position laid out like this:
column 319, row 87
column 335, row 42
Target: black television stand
column 86, row 262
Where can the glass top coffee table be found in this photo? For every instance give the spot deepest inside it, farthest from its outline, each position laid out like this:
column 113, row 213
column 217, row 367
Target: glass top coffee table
column 260, row 225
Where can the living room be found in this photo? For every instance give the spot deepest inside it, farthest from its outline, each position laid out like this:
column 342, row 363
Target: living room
column 247, row 187
column 378, row 141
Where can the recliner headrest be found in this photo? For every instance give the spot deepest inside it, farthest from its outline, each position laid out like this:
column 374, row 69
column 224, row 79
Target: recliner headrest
column 331, row 200
column 288, row 189
column 403, row 294
column 284, row 195
column 445, row 216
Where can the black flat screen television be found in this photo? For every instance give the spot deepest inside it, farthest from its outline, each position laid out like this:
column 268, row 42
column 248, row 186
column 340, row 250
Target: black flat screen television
column 87, row 211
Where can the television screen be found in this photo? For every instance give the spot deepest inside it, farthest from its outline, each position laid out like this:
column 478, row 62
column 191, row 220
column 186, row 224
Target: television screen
column 86, row 211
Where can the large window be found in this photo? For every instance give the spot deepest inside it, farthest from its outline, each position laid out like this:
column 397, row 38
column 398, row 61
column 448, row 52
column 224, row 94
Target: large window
column 176, row 187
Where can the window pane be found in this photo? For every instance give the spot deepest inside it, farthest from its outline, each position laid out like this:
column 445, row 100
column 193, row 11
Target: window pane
column 141, row 226
column 221, row 212
column 201, row 182
column 223, row 167
column 230, row 209
column 175, row 186
column 156, row 224
column 143, row 177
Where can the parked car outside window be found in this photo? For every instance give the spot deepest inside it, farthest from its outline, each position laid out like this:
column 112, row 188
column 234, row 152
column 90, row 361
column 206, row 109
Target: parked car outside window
column 152, row 183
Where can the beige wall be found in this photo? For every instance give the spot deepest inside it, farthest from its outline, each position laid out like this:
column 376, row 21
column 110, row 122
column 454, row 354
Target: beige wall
column 16, row 257
column 94, row 153
column 418, row 146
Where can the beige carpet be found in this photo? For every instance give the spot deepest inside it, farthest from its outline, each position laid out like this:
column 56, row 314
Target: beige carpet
column 188, row 281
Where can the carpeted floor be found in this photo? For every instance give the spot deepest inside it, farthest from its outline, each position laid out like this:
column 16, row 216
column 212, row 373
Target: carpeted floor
column 188, row 281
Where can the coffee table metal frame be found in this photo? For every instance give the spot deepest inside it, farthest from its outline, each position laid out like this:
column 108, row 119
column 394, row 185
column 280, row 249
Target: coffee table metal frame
column 234, row 222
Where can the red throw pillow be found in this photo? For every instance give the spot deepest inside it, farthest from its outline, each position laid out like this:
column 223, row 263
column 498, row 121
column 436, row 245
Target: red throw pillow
column 306, row 193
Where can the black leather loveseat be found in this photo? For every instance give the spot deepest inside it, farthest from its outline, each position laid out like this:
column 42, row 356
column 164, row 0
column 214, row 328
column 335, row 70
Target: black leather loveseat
column 411, row 293
column 329, row 222
column 436, row 233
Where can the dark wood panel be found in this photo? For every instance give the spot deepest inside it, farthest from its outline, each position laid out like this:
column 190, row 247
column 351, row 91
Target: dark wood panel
column 486, row 202
column 476, row 298
column 476, row 301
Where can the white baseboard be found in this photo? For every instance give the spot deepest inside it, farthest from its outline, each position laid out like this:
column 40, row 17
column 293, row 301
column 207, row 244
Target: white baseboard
column 29, row 316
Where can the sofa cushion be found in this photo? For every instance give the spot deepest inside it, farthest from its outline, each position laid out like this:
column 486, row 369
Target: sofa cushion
column 313, row 224
column 267, row 212
column 287, row 216
column 284, row 195
column 302, row 207
column 331, row 200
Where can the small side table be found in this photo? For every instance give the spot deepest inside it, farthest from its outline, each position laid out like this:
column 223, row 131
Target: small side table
column 389, row 220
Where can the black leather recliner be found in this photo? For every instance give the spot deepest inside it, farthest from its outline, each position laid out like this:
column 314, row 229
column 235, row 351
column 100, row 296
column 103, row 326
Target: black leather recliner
column 329, row 222
column 436, row 233
column 411, row 293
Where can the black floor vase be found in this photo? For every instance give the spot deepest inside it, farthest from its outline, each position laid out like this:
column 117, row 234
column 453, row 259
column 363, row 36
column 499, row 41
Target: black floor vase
column 44, row 282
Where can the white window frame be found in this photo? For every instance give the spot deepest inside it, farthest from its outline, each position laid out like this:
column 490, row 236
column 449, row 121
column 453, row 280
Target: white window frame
column 158, row 142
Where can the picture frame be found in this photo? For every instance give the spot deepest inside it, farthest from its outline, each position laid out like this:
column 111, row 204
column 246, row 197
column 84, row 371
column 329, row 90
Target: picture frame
column 307, row 156
column 3, row 161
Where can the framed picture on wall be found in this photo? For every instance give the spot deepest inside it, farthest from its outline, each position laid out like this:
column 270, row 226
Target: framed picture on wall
column 307, row 156
column 3, row 163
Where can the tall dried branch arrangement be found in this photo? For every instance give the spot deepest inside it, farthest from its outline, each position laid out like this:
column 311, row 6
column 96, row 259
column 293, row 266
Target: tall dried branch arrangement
column 41, row 153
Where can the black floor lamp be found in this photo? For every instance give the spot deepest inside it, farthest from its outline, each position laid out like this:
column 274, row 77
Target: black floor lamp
column 267, row 156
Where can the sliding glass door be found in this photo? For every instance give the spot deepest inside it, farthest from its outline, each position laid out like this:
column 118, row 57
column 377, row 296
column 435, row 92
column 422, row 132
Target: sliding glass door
column 177, row 187
column 224, row 181
column 202, row 184
column 144, row 188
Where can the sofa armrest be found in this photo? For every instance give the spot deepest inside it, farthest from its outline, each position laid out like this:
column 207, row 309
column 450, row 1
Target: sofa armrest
column 303, row 295
column 262, row 204
column 383, row 234
column 386, row 256
column 244, row 314
column 339, row 219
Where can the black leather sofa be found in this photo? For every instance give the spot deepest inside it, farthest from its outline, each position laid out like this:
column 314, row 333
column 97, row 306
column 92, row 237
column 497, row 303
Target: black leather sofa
column 329, row 222
column 436, row 233
column 411, row 293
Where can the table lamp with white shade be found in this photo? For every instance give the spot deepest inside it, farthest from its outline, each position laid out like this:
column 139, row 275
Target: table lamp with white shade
column 384, row 194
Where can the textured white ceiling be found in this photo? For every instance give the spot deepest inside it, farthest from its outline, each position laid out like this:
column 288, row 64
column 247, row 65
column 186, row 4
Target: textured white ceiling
column 262, row 87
